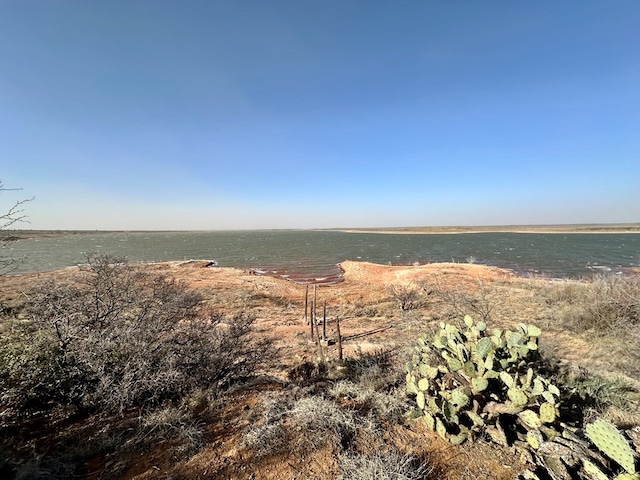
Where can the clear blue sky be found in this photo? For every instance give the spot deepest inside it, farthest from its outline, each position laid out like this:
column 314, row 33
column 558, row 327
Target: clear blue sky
column 211, row 114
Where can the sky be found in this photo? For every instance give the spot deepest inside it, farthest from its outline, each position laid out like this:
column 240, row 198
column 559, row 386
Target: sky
column 207, row 115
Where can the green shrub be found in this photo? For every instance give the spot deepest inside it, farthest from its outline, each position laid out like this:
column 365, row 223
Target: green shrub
column 35, row 374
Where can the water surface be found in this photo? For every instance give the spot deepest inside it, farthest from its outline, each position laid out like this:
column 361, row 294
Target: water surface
column 317, row 253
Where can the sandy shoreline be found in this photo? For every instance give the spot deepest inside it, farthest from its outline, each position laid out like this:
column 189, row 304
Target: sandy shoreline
column 546, row 229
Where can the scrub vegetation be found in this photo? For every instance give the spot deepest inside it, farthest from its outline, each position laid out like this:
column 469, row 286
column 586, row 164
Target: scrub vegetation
column 183, row 370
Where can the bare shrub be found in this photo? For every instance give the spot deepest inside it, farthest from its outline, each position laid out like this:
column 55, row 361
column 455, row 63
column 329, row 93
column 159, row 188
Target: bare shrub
column 383, row 405
column 382, row 466
column 372, row 386
column 605, row 302
column 408, row 296
column 309, row 422
column 264, row 440
column 461, row 302
column 117, row 337
column 610, row 302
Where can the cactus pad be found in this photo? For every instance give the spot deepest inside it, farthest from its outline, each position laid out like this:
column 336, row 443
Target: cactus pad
column 547, row 413
column 593, row 471
column 530, row 419
column 611, row 442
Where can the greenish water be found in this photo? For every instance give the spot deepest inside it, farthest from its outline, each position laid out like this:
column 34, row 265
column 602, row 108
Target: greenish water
column 316, row 253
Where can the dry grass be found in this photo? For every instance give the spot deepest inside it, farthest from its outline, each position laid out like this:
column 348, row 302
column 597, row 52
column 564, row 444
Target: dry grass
column 603, row 304
column 382, row 466
column 605, row 311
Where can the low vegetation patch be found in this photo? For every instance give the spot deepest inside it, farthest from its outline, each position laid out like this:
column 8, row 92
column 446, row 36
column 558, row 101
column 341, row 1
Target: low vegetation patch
column 115, row 338
column 604, row 304
column 605, row 309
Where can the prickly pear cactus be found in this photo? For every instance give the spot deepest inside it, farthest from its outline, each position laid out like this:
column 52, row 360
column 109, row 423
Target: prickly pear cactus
column 610, row 441
column 464, row 378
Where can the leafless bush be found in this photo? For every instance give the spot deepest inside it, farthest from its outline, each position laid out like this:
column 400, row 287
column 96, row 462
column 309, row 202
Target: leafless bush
column 383, row 405
column 373, row 385
column 9, row 217
column 461, row 302
column 264, row 440
column 408, row 296
column 308, row 423
column 118, row 337
column 607, row 305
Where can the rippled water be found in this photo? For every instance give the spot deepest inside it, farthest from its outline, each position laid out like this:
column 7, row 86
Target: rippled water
column 316, row 253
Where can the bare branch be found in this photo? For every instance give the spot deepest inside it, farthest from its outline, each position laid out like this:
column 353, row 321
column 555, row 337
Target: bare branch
column 15, row 212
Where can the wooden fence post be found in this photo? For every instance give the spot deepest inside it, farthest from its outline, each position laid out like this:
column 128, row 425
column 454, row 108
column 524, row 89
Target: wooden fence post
column 324, row 321
column 339, row 339
column 314, row 315
column 306, row 303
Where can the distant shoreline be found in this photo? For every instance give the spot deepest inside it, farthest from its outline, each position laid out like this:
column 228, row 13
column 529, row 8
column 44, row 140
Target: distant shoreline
column 550, row 229
column 631, row 228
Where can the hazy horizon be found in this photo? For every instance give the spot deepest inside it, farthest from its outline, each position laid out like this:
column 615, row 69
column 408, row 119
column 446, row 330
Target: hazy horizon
column 207, row 116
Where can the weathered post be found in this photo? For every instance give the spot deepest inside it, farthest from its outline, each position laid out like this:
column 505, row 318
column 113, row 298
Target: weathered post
column 306, row 303
column 314, row 315
column 324, row 321
column 339, row 339
column 312, row 319
column 311, row 323
column 314, row 338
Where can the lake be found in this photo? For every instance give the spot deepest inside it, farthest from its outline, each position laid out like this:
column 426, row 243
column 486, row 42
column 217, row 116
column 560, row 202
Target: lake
column 317, row 253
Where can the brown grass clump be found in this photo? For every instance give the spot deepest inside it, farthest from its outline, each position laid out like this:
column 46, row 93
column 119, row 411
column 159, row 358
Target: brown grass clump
column 382, row 466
